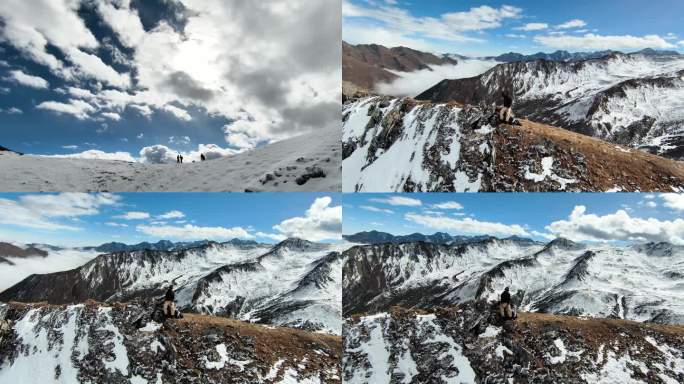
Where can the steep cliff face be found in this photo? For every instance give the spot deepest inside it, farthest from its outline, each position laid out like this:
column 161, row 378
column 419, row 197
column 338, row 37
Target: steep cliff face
column 403, row 145
column 635, row 100
column 641, row 282
column 119, row 344
column 292, row 283
column 469, row 344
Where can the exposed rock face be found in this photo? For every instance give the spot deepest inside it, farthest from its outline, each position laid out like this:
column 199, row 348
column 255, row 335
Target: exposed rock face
column 639, row 282
column 375, row 237
column 404, row 145
column 117, row 344
column 470, row 344
column 293, row 283
column 633, row 100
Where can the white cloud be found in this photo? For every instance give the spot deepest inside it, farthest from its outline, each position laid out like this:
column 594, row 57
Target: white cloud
column 399, row 201
column 111, row 224
column 91, row 66
column 133, row 215
column 175, row 214
column 12, row 111
column 651, row 204
column 618, row 226
column 78, row 108
column 182, row 140
column 272, row 236
column 599, row 42
column 37, row 211
column 575, row 23
column 124, row 21
column 399, row 25
column 180, row 113
column 375, row 209
column 466, row 225
column 112, row 116
column 320, row 222
column 413, row 83
column 28, row 80
column 143, row 110
column 515, row 36
column 96, row 154
column 532, row 27
column 673, row 200
column 448, row 205
column 158, row 154
column 192, row 232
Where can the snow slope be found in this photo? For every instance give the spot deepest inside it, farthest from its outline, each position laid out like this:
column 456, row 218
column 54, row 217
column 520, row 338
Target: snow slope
column 470, row 344
column 275, row 167
column 95, row 343
column 641, row 282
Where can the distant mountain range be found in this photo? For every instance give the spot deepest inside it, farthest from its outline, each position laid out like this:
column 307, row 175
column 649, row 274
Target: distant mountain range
column 161, row 245
column 376, row 237
column 566, row 56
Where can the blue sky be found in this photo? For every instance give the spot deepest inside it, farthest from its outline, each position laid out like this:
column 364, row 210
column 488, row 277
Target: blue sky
column 481, row 28
column 75, row 219
column 112, row 77
column 621, row 217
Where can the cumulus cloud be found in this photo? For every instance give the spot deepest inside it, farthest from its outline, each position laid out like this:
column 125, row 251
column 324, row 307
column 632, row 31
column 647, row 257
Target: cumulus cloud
column 272, row 236
column 320, row 222
column 618, row 226
column 466, row 225
column 133, row 215
column 248, row 72
column 39, row 211
column 95, row 154
column 575, row 23
column 399, row 201
column 157, row 154
column 160, row 154
column 413, row 83
column 673, row 200
column 532, row 27
column 112, row 116
column 77, row 108
column 602, row 42
column 192, row 232
column 22, row 78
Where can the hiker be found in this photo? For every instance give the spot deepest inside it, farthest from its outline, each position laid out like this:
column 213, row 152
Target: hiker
column 169, row 306
column 506, row 113
column 202, row 157
column 181, row 158
column 505, row 305
column 178, row 159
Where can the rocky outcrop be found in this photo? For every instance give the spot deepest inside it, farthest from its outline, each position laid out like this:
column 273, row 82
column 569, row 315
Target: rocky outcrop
column 470, row 344
column 119, row 343
column 404, row 145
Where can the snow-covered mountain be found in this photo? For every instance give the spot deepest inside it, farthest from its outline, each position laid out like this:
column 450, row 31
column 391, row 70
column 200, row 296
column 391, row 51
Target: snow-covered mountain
column 99, row 343
column 468, row 344
column 376, row 237
column 295, row 283
column 639, row 282
column 403, row 145
column 635, row 100
column 308, row 163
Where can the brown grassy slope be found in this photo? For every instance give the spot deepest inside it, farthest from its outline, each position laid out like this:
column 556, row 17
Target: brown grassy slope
column 606, row 163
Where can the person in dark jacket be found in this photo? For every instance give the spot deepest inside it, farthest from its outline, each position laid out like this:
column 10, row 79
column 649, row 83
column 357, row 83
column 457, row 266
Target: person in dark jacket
column 202, row 157
column 506, row 113
column 169, row 307
column 505, row 305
